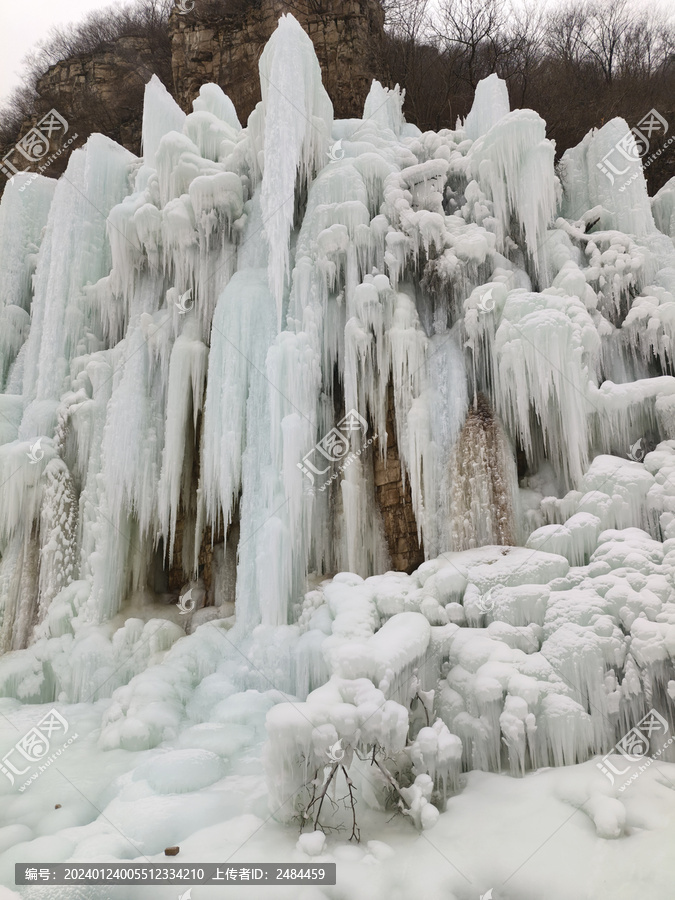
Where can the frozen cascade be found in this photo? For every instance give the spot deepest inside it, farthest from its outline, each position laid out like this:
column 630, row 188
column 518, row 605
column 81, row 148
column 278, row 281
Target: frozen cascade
column 236, row 458
column 201, row 353
column 74, row 253
column 22, row 218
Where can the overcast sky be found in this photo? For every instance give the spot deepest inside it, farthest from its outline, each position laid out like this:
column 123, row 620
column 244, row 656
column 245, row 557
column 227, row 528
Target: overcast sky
column 25, row 22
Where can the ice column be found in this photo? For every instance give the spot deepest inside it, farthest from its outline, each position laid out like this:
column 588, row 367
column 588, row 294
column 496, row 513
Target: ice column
column 298, row 119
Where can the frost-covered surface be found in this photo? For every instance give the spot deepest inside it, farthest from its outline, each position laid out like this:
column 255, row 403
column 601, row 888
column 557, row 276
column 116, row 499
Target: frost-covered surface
column 178, row 332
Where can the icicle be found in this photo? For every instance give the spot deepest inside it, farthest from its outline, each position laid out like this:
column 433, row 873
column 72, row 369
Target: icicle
column 187, row 373
column 513, row 163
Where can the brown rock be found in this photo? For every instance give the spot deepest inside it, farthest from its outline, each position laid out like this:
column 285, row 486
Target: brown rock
column 344, row 35
column 395, row 502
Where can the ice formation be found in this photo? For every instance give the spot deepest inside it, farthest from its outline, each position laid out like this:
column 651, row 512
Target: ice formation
column 178, row 333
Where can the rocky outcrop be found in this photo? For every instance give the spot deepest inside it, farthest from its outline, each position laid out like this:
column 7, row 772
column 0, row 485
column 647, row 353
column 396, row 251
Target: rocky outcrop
column 109, row 82
column 101, row 92
column 484, row 482
column 225, row 47
column 395, row 502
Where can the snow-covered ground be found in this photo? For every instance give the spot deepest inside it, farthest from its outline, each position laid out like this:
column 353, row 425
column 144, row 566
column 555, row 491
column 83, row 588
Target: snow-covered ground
column 556, row 833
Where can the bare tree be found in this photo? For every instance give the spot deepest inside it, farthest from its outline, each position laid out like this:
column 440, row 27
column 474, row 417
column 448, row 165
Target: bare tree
column 470, row 31
column 608, row 24
column 524, row 49
column 648, row 46
column 564, row 35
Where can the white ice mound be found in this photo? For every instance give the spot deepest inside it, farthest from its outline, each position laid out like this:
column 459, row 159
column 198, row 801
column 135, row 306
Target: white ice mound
column 397, row 645
column 490, row 104
column 384, row 107
column 605, row 170
column 212, row 99
column 181, row 771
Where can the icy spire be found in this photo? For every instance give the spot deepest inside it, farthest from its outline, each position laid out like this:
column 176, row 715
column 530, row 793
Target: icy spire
column 161, row 114
column 298, row 116
column 384, row 107
column 490, row 105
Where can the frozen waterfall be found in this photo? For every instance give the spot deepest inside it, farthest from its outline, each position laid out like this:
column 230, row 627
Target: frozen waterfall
column 201, row 353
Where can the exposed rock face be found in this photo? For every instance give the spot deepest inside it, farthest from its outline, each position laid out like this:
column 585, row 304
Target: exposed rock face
column 96, row 92
column 109, row 82
column 225, row 48
column 395, row 502
column 217, row 42
column 484, row 482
